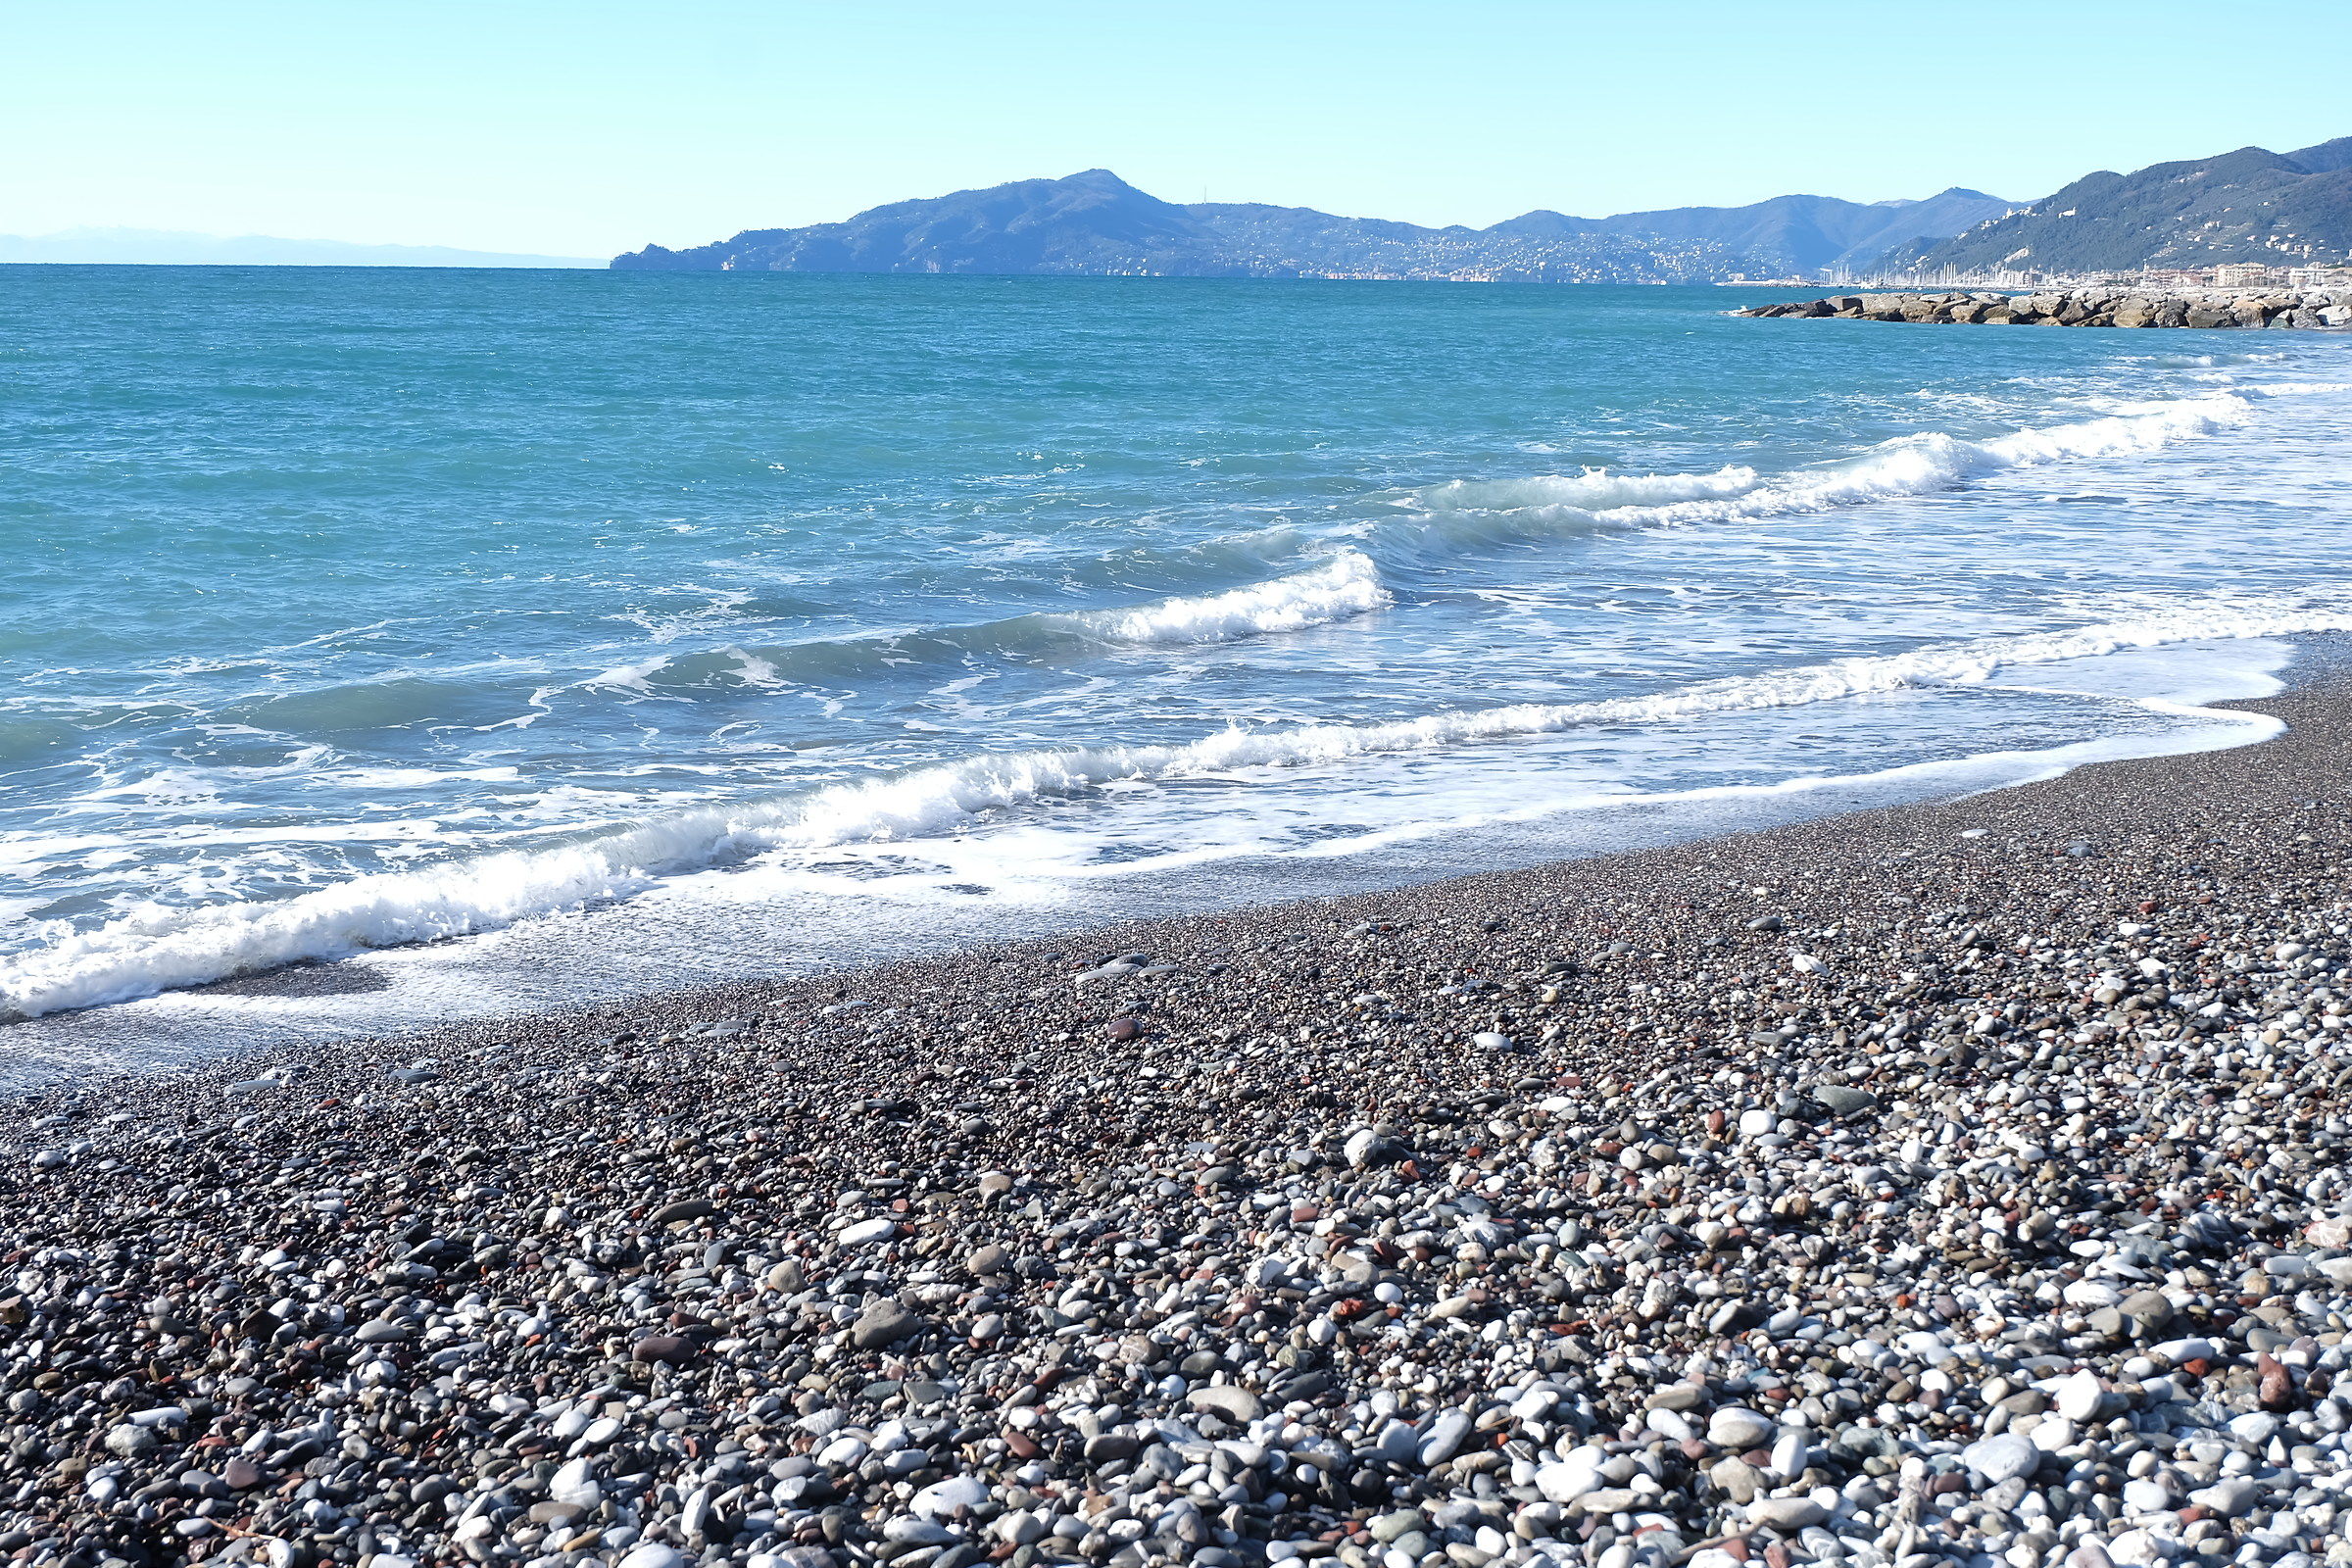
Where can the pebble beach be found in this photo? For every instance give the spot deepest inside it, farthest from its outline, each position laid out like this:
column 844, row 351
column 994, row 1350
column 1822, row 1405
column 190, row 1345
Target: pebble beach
column 1954, row 1184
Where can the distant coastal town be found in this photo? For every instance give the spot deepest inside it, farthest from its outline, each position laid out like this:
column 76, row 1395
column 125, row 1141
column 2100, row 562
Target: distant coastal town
column 2250, row 275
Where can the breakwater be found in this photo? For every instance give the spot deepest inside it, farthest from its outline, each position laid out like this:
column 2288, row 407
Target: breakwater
column 2310, row 309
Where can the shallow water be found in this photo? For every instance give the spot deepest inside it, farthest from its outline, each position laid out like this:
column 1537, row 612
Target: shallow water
column 670, row 628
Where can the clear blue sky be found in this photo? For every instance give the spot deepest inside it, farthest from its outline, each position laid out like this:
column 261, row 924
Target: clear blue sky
column 586, row 128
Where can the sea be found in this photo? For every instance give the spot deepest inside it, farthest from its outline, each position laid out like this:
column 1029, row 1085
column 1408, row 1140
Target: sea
column 385, row 648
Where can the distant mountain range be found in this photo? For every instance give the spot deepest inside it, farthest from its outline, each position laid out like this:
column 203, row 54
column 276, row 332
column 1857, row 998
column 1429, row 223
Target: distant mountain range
column 1095, row 223
column 2285, row 209
column 169, row 248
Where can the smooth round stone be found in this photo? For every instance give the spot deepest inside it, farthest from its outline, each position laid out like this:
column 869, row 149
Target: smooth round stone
column 1567, row 1480
column 1787, row 1513
column 2077, row 1397
column 942, row 1499
column 1738, row 1428
column 576, row 1482
column 2001, row 1458
column 2254, row 1428
column 1671, row 1424
column 1233, row 1404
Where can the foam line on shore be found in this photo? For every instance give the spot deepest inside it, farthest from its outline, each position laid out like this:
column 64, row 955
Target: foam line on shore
column 163, row 948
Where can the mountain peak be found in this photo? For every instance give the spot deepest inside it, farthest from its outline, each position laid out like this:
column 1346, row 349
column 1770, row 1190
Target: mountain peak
column 2326, row 158
column 2245, row 205
column 1094, row 222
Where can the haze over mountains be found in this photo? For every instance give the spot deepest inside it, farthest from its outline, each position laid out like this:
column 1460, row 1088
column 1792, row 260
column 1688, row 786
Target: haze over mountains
column 1095, row 223
column 2282, row 209
column 2251, row 204
column 173, row 248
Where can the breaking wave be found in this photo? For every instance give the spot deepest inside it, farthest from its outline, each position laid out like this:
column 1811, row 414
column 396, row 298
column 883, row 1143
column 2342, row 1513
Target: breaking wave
column 1348, row 584
column 1345, row 585
column 163, row 948
column 1547, row 506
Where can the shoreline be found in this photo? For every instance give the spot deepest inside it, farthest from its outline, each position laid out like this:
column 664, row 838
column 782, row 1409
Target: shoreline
column 1924, row 1184
column 1613, row 829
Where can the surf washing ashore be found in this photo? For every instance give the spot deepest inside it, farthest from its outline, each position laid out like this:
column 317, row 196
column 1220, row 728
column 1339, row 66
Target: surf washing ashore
column 1959, row 1183
column 919, row 614
column 1955, row 1182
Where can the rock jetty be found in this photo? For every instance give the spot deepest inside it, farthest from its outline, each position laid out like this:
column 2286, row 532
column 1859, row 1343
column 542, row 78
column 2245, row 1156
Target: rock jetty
column 2317, row 310
column 1958, row 1186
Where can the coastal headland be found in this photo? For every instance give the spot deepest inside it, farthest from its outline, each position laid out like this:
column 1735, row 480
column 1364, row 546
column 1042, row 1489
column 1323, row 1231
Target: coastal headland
column 1960, row 1183
column 2318, row 309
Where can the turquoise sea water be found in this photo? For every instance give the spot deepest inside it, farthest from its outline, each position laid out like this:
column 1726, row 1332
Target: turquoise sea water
column 642, row 628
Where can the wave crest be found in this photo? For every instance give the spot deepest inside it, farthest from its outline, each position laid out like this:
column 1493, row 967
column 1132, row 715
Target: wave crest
column 1347, row 584
column 163, row 948
column 1463, row 512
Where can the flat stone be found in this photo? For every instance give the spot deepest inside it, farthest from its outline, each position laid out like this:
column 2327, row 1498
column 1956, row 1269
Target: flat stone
column 1787, row 1513
column 942, row 1499
column 1567, row 1479
column 1223, row 1399
column 884, row 1323
column 576, row 1482
column 2255, row 1428
column 2232, row 1498
column 1739, row 1480
column 1738, row 1428
column 2001, row 1458
column 1112, row 1448
column 1446, row 1434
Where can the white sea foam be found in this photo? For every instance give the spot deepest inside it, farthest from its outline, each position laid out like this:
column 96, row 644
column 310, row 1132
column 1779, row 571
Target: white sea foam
column 1347, row 584
column 1593, row 490
column 1916, row 465
column 1344, row 584
column 161, row 949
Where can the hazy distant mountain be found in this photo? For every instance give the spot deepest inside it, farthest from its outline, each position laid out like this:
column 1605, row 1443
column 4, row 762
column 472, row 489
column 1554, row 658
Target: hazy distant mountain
column 2287, row 210
column 164, row 247
column 1807, row 233
column 1095, row 223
